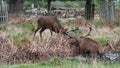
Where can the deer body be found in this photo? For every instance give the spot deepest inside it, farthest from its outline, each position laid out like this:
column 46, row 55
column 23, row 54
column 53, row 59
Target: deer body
column 90, row 47
column 51, row 23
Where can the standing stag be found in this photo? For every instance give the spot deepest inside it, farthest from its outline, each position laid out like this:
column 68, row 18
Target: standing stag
column 51, row 23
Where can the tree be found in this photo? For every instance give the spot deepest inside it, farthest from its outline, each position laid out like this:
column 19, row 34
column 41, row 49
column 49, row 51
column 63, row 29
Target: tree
column 119, row 3
column 107, row 10
column 16, row 6
column 49, row 4
column 89, row 10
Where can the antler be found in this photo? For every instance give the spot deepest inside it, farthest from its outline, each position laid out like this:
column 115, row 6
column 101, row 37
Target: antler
column 77, row 28
column 73, row 30
column 90, row 29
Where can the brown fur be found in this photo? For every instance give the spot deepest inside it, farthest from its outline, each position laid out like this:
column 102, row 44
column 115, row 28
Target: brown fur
column 51, row 23
column 90, row 47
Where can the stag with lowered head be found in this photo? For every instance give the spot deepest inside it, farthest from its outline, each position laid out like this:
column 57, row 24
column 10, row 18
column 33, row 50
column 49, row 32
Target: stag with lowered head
column 51, row 23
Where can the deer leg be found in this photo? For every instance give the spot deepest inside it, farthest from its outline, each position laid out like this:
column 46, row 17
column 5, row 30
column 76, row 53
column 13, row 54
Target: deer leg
column 41, row 32
column 36, row 31
column 51, row 31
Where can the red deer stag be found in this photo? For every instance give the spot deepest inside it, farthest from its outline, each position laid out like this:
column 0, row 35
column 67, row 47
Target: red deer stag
column 90, row 47
column 51, row 23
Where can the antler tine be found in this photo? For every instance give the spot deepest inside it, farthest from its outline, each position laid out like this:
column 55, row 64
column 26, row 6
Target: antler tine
column 90, row 29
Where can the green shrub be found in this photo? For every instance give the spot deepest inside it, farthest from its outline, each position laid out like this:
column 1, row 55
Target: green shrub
column 58, row 4
column 71, row 4
column 81, row 4
column 66, row 4
column 117, row 23
column 28, row 26
column 27, row 5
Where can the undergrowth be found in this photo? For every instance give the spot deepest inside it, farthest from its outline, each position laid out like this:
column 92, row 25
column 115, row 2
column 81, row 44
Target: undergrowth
column 3, row 26
column 17, row 38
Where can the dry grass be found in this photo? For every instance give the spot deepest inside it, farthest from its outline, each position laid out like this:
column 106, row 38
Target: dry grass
column 28, row 49
column 105, row 32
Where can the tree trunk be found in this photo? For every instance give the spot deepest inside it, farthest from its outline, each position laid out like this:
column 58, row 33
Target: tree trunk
column 107, row 10
column 16, row 6
column 119, row 3
column 88, row 9
column 93, row 11
column 49, row 5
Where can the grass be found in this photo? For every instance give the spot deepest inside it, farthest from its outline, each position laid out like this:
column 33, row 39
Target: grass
column 28, row 26
column 17, row 38
column 71, row 21
column 3, row 26
column 63, row 63
column 52, row 63
column 103, row 23
column 103, row 41
column 18, row 33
